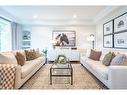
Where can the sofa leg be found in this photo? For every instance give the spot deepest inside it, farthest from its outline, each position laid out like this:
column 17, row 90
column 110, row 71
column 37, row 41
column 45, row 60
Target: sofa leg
column 81, row 64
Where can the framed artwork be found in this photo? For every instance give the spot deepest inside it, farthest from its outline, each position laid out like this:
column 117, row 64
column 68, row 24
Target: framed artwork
column 108, row 28
column 108, row 41
column 26, row 35
column 120, row 40
column 64, row 38
column 120, row 23
column 26, row 43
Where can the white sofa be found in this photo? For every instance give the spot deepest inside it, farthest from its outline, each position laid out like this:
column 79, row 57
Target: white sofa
column 114, row 77
column 23, row 73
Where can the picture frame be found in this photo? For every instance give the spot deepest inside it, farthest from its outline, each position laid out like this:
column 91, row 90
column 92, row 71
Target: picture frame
column 108, row 41
column 64, row 38
column 108, row 28
column 120, row 23
column 120, row 40
column 26, row 35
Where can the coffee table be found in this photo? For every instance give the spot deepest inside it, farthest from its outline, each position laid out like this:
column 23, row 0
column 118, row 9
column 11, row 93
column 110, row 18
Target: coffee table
column 61, row 70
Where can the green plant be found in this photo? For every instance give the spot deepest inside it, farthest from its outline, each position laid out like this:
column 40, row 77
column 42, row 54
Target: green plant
column 61, row 59
column 45, row 51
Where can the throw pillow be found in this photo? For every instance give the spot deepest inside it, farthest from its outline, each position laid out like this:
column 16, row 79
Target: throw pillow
column 20, row 58
column 95, row 55
column 37, row 53
column 30, row 55
column 120, row 59
column 7, row 58
column 108, row 58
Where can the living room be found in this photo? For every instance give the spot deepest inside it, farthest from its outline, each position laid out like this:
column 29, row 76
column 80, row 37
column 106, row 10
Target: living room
column 63, row 47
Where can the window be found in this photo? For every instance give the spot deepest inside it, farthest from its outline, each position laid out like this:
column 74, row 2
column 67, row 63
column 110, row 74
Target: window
column 5, row 35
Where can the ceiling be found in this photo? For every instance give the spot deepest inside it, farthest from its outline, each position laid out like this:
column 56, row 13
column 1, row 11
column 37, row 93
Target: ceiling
column 44, row 14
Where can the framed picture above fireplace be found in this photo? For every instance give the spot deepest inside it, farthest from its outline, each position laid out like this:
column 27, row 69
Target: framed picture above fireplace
column 64, row 38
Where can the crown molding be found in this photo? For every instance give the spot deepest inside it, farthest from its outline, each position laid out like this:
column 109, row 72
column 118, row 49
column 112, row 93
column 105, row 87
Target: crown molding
column 8, row 16
column 58, row 22
column 104, row 13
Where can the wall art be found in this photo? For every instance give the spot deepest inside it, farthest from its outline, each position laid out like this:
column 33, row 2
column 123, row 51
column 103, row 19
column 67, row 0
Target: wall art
column 120, row 23
column 120, row 40
column 108, row 41
column 64, row 38
column 108, row 28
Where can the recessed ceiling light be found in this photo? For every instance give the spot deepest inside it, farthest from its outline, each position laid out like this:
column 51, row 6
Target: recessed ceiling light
column 35, row 16
column 74, row 16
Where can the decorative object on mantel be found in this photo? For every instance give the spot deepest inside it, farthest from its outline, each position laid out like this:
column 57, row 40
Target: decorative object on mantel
column 64, row 38
column 91, row 38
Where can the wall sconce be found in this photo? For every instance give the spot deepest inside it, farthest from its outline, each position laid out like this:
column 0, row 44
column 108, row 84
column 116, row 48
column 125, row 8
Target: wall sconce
column 92, row 39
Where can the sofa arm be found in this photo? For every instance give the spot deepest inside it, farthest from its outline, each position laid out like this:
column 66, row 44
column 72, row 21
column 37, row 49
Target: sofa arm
column 18, row 77
column 117, row 77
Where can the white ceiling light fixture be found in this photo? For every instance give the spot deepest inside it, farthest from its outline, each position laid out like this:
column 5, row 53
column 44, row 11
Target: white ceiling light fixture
column 35, row 16
column 74, row 16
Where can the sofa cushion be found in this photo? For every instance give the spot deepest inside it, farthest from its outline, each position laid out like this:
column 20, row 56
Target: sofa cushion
column 21, row 51
column 98, row 67
column 28, row 67
column 120, row 59
column 38, row 54
column 20, row 58
column 108, row 58
column 95, row 55
column 42, row 59
column 30, row 55
column 7, row 58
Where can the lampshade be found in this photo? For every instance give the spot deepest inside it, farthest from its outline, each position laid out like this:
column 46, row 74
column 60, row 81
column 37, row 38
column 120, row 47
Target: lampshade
column 91, row 37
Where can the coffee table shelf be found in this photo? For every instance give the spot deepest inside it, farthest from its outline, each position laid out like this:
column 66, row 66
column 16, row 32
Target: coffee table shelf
column 61, row 70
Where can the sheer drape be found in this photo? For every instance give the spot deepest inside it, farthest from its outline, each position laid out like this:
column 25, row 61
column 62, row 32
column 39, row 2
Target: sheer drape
column 16, row 36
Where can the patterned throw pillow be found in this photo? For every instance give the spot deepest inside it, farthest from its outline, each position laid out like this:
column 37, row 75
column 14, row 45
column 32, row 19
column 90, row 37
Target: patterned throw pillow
column 120, row 59
column 30, row 55
column 108, row 58
column 37, row 53
column 7, row 58
column 20, row 58
column 95, row 55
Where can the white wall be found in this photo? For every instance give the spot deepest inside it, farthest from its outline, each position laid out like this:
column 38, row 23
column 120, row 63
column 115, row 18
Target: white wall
column 42, row 35
column 99, row 27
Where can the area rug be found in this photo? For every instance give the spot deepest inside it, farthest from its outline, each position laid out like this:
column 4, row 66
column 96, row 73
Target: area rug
column 82, row 79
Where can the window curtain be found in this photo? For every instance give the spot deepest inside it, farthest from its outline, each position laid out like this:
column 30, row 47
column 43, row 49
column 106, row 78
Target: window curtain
column 16, row 36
